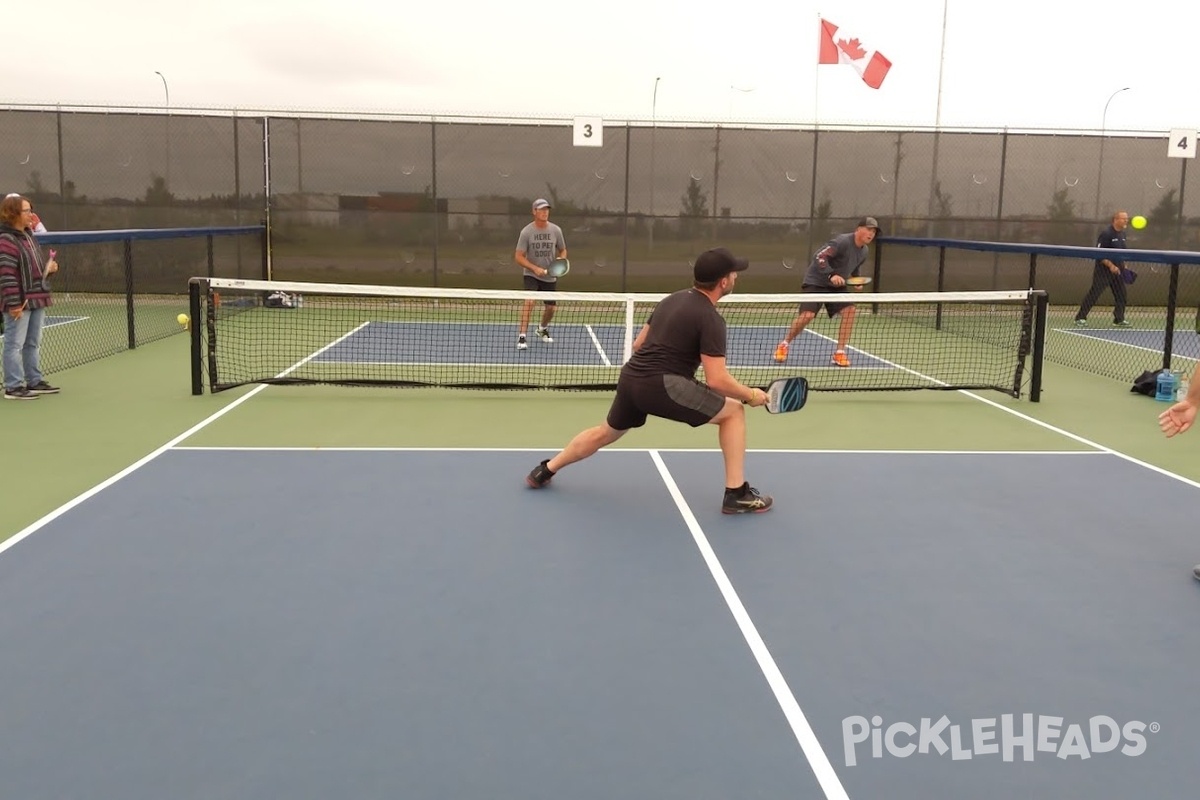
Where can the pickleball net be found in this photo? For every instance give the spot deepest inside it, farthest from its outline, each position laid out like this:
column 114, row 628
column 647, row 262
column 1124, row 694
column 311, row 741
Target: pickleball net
column 271, row 332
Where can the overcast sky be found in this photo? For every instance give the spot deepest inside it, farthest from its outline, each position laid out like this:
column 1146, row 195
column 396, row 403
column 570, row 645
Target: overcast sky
column 1020, row 63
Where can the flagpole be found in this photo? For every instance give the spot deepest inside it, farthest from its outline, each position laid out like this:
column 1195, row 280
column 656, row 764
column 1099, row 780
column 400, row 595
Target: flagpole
column 812, row 194
column 817, row 72
column 941, row 65
column 937, row 122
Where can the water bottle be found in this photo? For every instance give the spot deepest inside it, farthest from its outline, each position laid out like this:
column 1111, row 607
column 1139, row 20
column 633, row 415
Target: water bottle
column 1182, row 392
column 1164, row 386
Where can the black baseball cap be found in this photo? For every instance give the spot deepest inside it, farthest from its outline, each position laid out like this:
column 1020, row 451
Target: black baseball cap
column 869, row 222
column 712, row 265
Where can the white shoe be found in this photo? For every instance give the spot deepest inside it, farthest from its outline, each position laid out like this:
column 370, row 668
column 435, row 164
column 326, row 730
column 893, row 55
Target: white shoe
column 521, row 345
column 544, row 335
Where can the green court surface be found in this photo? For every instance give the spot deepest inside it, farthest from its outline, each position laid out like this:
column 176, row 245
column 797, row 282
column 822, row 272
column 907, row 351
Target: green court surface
column 117, row 411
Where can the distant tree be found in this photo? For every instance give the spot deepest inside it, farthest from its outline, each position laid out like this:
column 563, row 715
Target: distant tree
column 157, row 193
column 1165, row 215
column 33, row 184
column 824, row 211
column 694, row 208
column 942, row 203
column 1061, row 208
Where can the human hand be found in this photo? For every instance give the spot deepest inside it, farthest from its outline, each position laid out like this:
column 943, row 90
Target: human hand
column 757, row 398
column 1177, row 419
column 837, row 280
column 51, row 267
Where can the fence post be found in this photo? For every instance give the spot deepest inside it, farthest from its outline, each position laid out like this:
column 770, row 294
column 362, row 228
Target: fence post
column 625, row 214
column 130, row 328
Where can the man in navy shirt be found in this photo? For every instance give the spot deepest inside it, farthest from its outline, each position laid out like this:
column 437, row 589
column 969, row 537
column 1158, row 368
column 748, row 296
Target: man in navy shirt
column 1107, row 273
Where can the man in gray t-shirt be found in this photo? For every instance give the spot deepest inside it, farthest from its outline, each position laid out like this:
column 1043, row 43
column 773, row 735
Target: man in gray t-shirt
column 539, row 244
column 838, row 260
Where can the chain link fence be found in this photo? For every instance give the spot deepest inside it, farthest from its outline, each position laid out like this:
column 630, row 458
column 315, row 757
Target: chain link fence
column 430, row 201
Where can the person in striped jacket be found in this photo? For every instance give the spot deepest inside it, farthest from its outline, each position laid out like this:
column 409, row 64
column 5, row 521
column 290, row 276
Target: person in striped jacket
column 24, row 298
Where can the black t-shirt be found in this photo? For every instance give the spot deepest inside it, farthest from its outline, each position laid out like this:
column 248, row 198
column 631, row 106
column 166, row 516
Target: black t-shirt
column 1111, row 237
column 683, row 326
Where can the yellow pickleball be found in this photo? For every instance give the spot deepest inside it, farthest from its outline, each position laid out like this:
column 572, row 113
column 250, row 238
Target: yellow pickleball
column 1138, row 222
column 182, row 319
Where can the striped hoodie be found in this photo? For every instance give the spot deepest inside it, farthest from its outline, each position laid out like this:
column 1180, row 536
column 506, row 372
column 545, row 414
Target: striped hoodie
column 22, row 275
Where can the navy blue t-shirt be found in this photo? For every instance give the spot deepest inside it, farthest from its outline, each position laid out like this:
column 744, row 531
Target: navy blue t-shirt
column 1111, row 237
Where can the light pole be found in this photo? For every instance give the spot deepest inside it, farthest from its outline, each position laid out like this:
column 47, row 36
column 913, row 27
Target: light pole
column 653, row 137
column 1100, row 166
column 167, row 92
column 733, row 89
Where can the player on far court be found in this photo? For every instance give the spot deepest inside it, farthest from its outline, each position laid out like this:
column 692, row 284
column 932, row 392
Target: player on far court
column 838, row 260
column 683, row 332
column 540, row 242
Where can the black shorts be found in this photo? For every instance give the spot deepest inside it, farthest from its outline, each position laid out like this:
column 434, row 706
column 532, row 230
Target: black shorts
column 671, row 397
column 534, row 285
column 830, row 308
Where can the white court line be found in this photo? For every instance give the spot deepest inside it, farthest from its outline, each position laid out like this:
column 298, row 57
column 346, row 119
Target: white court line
column 557, row 447
column 599, row 347
column 809, row 744
column 65, row 507
column 1083, row 440
column 1083, row 334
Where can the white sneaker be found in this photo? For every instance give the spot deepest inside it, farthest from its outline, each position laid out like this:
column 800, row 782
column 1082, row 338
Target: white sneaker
column 544, row 335
column 521, row 345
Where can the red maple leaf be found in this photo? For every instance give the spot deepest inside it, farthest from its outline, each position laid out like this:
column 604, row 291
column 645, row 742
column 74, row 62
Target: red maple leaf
column 852, row 48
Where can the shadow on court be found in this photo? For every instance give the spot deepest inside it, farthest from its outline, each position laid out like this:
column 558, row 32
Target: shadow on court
column 381, row 624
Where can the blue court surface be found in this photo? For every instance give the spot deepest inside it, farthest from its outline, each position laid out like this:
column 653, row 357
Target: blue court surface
column 579, row 345
column 1184, row 343
column 417, row 623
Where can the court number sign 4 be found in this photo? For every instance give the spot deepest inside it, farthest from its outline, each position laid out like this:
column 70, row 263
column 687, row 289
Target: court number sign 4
column 1181, row 143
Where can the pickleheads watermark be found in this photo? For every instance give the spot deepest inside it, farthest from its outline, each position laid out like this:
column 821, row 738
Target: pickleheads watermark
column 1009, row 737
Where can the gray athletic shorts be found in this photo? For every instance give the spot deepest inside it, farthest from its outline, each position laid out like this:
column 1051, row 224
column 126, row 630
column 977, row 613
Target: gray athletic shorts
column 830, row 308
column 671, row 397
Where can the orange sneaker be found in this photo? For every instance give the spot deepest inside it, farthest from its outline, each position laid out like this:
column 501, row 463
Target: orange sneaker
column 781, row 352
column 840, row 359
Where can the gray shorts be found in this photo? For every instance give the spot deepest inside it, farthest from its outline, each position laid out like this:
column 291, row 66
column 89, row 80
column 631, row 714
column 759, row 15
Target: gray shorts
column 532, row 284
column 671, row 397
column 830, row 308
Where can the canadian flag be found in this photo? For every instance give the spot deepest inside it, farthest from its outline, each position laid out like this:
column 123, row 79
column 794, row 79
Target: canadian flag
column 871, row 65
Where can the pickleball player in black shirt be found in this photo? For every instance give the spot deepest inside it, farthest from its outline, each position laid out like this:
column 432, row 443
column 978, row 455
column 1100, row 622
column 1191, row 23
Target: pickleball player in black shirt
column 684, row 332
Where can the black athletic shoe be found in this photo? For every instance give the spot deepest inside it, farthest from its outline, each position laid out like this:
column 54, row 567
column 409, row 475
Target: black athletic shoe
column 745, row 500
column 540, row 476
column 41, row 387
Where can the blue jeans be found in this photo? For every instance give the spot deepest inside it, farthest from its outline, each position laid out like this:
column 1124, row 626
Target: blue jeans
column 22, row 348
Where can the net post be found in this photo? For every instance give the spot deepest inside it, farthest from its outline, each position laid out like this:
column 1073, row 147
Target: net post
column 1032, row 270
column 131, row 329
column 627, row 348
column 196, row 349
column 1172, row 302
column 1041, row 309
column 208, row 240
